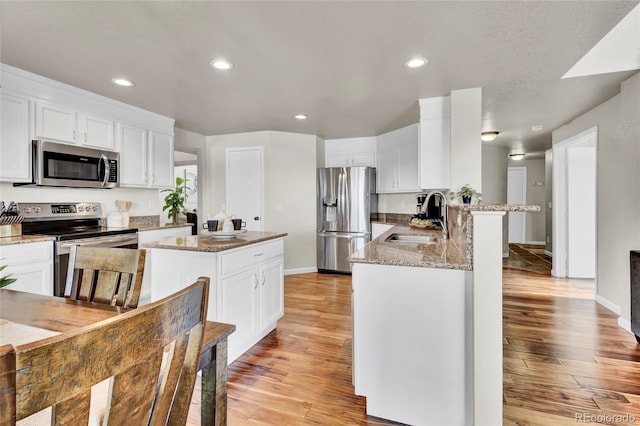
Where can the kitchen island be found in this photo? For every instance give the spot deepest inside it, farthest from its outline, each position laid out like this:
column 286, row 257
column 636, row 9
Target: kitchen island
column 247, row 279
column 427, row 333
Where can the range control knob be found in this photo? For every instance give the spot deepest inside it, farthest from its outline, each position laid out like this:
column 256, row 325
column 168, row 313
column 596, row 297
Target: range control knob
column 80, row 208
column 37, row 209
column 94, row 208
column 27, row 210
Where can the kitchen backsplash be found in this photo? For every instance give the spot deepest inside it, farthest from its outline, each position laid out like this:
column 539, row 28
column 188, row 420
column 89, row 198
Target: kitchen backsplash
column 145, row 201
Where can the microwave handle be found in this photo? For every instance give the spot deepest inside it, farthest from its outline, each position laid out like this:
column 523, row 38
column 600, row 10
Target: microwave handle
column 107, row 168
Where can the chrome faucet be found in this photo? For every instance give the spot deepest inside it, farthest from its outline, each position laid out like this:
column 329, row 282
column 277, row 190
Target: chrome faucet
column 445, row 214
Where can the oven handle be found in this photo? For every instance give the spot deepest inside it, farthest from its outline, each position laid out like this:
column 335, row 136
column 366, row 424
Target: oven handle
column 107, row 168
column 64, row 247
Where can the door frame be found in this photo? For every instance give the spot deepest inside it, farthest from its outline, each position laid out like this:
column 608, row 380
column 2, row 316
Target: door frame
column 259, row 148
column 560, row 205
column 524, row 193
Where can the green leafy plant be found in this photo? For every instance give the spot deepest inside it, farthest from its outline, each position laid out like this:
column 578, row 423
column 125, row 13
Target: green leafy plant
column 6, row 280
column 174, row 201
column 468, row 192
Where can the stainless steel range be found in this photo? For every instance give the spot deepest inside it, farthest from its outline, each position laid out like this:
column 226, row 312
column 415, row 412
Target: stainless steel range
column 72, row 224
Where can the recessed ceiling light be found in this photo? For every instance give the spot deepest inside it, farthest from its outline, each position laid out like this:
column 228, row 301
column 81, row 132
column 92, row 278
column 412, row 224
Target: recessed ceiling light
column 415, row 62
column 537, row 127
column 221, row 64
column 301, row 116
column 516, row 156
column 488, row 136
column 124, row 82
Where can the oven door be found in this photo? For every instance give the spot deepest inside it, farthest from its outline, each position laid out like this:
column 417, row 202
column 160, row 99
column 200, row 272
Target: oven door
column 62, row 249
column 66, row 165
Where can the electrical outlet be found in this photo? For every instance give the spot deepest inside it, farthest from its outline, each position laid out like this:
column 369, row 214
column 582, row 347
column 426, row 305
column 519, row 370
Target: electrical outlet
column 548, row 239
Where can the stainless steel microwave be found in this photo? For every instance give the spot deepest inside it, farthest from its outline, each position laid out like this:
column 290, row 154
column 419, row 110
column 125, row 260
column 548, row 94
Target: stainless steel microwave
column 56, row 164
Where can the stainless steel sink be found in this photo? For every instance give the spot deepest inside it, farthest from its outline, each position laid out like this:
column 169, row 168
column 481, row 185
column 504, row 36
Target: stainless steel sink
column 420, row 239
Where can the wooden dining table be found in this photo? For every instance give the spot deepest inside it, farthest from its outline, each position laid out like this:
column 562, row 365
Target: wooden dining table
column 62, row 315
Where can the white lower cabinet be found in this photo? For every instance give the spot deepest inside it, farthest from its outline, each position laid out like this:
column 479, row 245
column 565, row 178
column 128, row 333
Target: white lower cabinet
column 31, row 264
column 252, row 297
column 247, row 286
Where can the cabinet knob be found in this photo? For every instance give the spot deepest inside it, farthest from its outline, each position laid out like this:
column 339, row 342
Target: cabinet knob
column 256, row 218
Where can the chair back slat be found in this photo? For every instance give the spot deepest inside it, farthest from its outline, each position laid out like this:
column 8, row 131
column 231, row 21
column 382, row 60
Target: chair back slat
column 106, row 275
column 106, row 286
column 59, row 371
column 74, row 410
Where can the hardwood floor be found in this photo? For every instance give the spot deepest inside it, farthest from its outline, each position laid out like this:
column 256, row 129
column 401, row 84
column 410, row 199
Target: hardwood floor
column 564, row 357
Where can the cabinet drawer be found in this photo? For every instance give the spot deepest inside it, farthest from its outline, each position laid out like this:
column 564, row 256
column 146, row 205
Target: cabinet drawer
column 20, row 254
column 248, row 257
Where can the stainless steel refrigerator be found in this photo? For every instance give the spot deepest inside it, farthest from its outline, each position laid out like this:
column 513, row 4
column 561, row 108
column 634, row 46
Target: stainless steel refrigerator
column 346, row 197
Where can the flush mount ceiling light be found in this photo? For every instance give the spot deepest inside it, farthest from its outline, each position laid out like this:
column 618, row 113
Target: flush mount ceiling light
column 221, row 64
column 301, row 116
column 488, row 136
column 124, row 82
column 415, row 62
column 516, row 156
column 537, row 127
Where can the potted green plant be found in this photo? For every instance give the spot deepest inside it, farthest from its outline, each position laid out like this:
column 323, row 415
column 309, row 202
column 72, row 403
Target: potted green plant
column 6, row 280
column 467, row 193
column 174, row 201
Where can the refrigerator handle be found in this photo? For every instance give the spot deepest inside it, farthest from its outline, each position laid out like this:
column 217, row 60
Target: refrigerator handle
column 340, row 203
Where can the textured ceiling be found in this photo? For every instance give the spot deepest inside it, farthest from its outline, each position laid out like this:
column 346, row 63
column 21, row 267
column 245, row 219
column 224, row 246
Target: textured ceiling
column 338, row 62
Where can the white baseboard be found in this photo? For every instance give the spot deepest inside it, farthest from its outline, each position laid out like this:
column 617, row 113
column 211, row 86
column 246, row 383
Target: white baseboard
column 548, row 253
column 625, row 324
column 540, row 243
column 300, row 271
column 609, row 305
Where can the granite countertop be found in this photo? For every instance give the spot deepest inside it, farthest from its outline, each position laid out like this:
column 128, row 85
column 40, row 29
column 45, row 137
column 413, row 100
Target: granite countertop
column 24, row 239
column 154, row 227
column 206, row 243
column 444, row 254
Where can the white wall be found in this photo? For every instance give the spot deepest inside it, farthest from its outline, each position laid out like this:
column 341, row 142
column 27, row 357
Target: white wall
column 494, row 183
column 536, row 195
column 466, row 147
column 290, row 187
column 618, row 204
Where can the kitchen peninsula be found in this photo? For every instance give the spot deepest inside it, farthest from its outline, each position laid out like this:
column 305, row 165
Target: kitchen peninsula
column 427, row 312
column 247, row 279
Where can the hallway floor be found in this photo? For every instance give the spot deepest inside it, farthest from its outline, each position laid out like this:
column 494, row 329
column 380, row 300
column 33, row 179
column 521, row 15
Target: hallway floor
column 528, row 257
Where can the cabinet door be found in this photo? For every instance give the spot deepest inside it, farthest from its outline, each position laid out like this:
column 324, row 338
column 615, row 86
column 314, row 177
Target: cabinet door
column 97, row 132
column 133, row 157
column 239, row 307
column 337, row 159
column 32, row 278
column 55, row 122
column 363, row 159
column 15, row 143
column 386, row 172
column 161, row 160
column 271, row 280
column 407, row 166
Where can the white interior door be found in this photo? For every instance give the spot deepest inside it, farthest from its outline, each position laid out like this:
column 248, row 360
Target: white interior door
column 581, row 212
column 517, row 194
column 245, row 185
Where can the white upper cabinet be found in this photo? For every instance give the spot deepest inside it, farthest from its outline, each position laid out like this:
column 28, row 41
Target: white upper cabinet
column 56, row 122
column 36, row 107
column 146, row 157
column 435, row 143
column 161, row 161
column 15, row 142
column 351, row 152
column 398, row 160
column 134, row 155
column 65, row 124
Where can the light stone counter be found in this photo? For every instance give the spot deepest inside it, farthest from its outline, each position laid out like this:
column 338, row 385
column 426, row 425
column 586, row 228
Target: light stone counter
column 206, row 243
column 25, row 239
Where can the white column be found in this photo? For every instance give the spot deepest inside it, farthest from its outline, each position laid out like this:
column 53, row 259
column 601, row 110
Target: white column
column 487, row 317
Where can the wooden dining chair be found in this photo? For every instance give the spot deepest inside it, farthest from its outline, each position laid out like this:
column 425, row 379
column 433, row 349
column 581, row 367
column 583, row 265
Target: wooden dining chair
column 106, row 275
column 127, row 349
